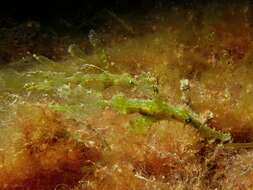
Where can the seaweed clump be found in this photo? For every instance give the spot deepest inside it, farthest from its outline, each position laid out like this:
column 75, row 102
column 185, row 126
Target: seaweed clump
column 48, row 152
column 111, row 117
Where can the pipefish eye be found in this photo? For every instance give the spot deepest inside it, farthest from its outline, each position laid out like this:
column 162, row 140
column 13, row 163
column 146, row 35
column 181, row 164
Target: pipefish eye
column 188, row 120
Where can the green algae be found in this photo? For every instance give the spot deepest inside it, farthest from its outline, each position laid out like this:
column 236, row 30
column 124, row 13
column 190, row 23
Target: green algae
column 73, row 92
column 78, row 102
column 140, row 125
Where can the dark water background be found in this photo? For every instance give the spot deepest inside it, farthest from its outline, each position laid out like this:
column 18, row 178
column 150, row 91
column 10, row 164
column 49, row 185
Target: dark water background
column 42, row 26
